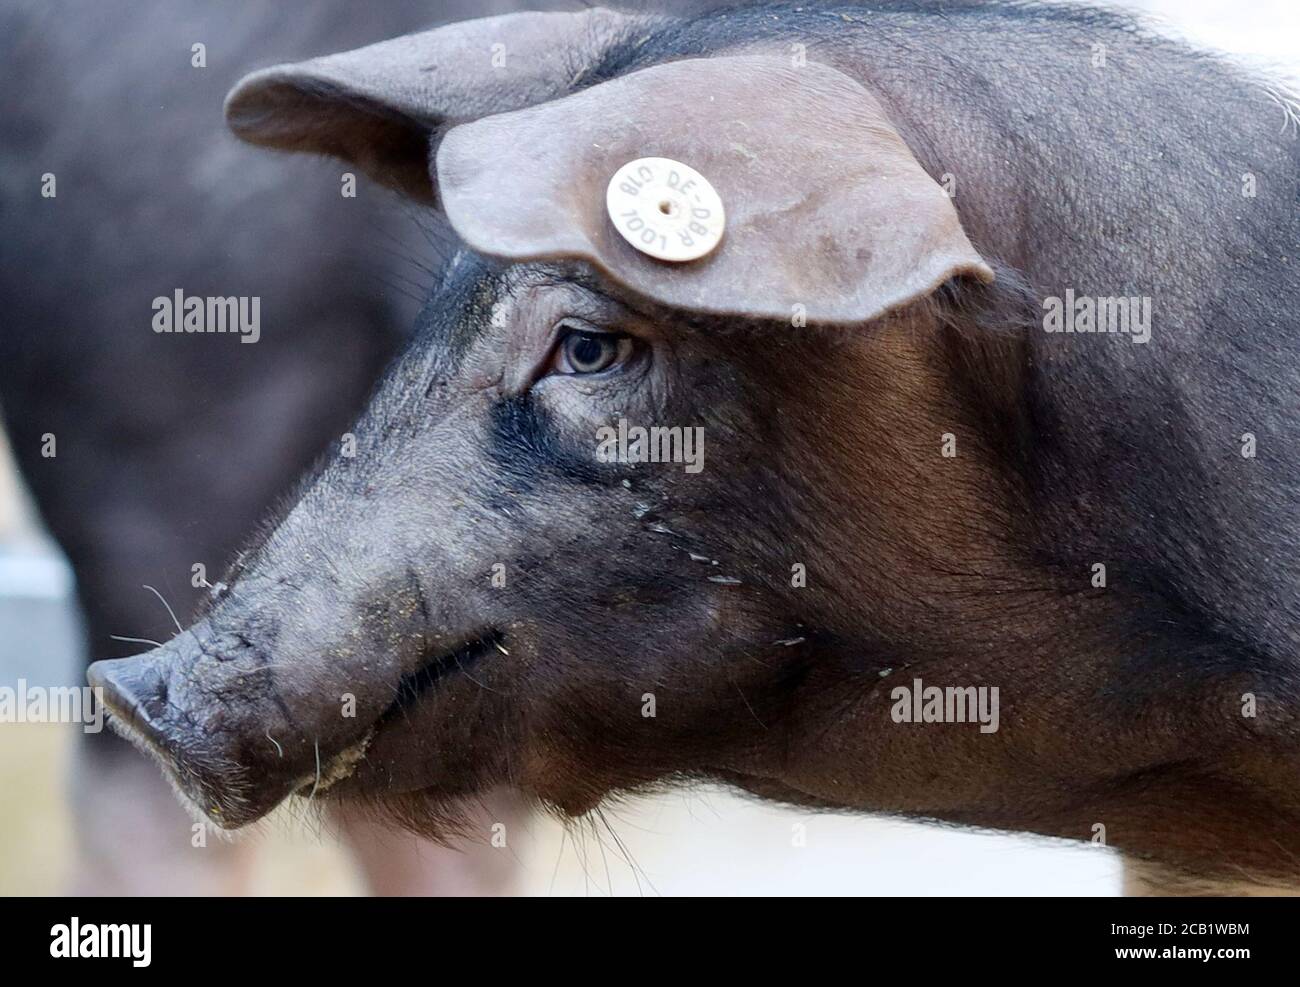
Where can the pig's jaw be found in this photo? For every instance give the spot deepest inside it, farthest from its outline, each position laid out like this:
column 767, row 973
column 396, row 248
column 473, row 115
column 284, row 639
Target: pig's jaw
column 338, row 768
column 227, row 803
column 342, row 777
column 219, row 784
column 226, row 808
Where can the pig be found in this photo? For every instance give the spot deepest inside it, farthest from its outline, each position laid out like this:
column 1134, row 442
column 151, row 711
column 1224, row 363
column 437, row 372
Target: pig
column 168, row 449
column 921, row 471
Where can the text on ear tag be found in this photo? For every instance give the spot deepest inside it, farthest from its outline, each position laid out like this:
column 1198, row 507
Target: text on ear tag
column 665, row 209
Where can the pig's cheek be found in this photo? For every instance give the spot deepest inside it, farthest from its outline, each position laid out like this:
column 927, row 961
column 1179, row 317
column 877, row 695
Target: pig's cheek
column 401, row 757
column 576, row 408
column 436, row 743
column 657, row 396
column 580, row 404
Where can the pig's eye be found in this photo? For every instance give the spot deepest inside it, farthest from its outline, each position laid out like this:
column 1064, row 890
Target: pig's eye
column 589, row 351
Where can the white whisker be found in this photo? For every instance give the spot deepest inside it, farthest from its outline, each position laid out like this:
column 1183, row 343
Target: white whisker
column 171, row 613
column 135, row 640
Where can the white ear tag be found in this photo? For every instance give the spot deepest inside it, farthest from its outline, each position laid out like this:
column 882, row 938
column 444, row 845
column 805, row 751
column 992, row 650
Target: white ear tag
column 665, row 209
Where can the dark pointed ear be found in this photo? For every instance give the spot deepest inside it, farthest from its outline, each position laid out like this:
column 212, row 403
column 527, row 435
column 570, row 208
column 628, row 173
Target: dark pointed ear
column 825, row 205
column 377, row 107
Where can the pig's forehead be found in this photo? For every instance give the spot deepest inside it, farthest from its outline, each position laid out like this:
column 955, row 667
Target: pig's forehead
column 473, row 279
column 461, row 307
column 468, row 266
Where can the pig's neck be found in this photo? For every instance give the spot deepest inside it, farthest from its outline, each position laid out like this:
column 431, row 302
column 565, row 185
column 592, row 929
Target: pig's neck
column 1144, row 879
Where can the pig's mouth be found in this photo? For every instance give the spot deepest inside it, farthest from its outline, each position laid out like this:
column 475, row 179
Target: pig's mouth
column 413, row 685
column 229, row 767
column 411, row 689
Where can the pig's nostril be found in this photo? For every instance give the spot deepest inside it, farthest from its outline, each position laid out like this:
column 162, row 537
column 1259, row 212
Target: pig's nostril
column 136, row 694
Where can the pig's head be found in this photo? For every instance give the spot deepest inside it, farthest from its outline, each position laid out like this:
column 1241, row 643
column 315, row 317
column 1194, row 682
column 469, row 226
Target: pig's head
column 478, row 589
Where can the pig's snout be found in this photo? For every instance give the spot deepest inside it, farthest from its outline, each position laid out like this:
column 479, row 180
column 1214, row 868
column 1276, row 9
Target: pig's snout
column 135, row 691
column 218, row 718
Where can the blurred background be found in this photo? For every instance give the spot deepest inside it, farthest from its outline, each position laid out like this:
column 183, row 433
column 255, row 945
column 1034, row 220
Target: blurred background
column 701, row 841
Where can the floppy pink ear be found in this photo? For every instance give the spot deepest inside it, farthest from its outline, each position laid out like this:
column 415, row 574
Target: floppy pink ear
column 825, row 205
column 378, row 106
